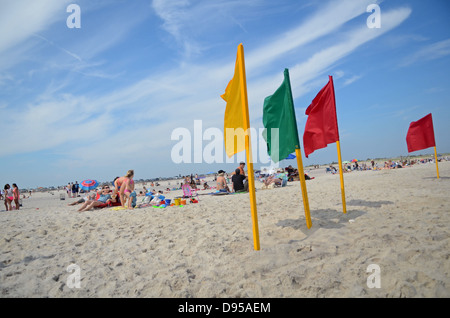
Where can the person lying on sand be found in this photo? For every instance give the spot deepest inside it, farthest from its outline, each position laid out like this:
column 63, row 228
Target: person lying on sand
column 105, row 197
column 271, row 179
column 83, row 199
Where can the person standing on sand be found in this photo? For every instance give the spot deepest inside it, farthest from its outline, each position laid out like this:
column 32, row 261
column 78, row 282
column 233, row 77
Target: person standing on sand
column 119, row 186
column 69, row 190
column 16, row 195
column 128, row 189
column 9, row 197
column 74, row 190
column 77, row 188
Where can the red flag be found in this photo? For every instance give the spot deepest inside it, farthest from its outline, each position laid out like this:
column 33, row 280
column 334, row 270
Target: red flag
column 421, row 134
column 321, row 126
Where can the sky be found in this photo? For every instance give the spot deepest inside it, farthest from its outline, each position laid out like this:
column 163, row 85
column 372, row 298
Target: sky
column 93, row 101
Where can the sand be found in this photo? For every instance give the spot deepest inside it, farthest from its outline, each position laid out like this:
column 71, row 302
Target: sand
column 397, row 219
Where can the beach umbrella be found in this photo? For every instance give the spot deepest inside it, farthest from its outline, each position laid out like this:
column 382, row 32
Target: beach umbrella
column 291, row 156
column 88, row 185
column 346, row 161
column 355, row 160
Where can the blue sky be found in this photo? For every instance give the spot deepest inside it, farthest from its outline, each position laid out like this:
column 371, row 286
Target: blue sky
column 96, row 101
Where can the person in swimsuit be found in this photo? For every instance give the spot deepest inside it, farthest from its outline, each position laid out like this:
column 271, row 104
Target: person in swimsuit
column 9, row 197
column 68, row 189
column 119, row 186
column 272, row 179
column 221, row 182
column 16, row 196
column 128, row 189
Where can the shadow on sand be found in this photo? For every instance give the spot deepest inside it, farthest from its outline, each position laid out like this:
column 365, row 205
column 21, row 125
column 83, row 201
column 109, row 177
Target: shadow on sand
column 369, row 204
column 331, row 218
column 435, row 177
column 322, row 219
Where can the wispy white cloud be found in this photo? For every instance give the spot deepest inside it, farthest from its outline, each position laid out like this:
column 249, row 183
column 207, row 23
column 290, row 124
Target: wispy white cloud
column 429, row 52
column 400, row 40
column 50, row 123
column 71, row 54
column 35, row 32
column 172, row 13
column 324, row 59
column 6, row 78
column 178, row 17
column 19, row 20
column 185, row 21
column 325, row 21
column 352, row 79
column 304, row 76
column 434, row 90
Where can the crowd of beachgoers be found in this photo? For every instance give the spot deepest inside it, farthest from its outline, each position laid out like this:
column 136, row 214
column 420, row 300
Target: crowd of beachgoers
column 122, row 192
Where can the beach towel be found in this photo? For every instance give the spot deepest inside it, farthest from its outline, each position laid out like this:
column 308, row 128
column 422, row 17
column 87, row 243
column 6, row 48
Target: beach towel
column 117, row 208
column 109, row 204
column 219, row 193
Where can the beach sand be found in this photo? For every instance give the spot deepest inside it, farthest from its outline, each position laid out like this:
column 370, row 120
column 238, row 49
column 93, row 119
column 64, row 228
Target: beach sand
column 397, row 219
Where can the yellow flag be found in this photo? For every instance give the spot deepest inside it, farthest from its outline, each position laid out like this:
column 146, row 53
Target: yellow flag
column 234, row 123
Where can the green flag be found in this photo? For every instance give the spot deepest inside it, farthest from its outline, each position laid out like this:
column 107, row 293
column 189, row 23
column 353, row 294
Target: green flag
column 279, row 121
